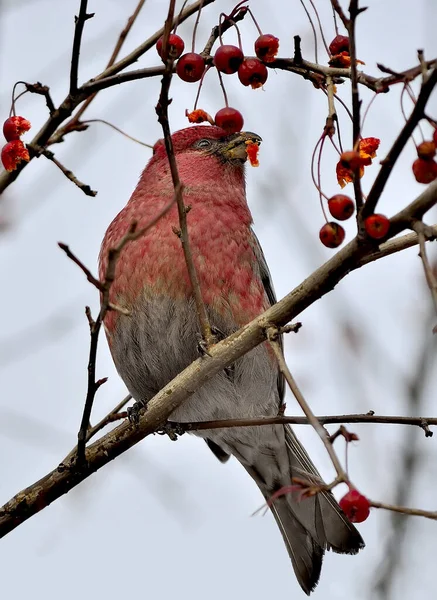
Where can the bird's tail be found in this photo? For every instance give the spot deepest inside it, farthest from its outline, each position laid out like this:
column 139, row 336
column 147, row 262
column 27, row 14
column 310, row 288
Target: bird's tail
column 308, row 526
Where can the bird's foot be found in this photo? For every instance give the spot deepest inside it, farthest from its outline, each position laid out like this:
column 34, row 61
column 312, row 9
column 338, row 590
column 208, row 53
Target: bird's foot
column 134, row 411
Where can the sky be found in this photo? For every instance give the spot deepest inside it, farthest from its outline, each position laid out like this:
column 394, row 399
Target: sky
column 167, row 518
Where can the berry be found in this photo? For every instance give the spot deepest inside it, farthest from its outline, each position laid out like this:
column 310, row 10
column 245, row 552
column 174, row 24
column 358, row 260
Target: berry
column 434, row 137
column 339, row 44
column 341, row 207
column 351, row 160
column 175, row 46
column 229, row 119
column 355, row 506
column 190, row 67
column 377, row 226
column 14, row 127
column 198, row 116
column 332, row 235
column 13, row 153
column 426, row 150
column 253, row 72
column 266, row 47
column 425, row 171
column 228, row 58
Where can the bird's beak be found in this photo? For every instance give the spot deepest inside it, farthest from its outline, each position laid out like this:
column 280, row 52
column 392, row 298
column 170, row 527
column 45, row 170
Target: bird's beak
column 234, row 146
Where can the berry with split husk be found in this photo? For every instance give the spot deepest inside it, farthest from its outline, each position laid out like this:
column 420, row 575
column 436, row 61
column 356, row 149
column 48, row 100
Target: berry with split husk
column 253, row 72
column 266, row 47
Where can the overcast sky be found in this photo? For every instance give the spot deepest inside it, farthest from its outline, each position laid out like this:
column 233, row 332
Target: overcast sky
column 166, row 519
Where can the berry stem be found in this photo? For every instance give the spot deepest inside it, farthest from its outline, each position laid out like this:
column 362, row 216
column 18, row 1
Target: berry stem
column 255, row 21
column 200, row 86
column 196, row 24
column 223, row 87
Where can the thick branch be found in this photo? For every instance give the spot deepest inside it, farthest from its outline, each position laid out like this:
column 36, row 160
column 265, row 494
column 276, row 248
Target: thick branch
column 63, row 478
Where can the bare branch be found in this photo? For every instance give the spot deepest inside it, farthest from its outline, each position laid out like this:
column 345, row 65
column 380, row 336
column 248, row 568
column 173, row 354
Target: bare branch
column 69, row 174
column 405, row 510
column 78, row 30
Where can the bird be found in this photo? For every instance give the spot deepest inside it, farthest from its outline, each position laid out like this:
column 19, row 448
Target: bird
column 157, row 333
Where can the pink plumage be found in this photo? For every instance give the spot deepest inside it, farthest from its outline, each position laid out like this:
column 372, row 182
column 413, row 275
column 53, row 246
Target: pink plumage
column 160, row 336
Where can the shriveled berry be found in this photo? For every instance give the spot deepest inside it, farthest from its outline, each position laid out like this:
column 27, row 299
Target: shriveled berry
column 229, row 119
column 14, row 127
column 377, row 226
column 190, row 67
column 266, row 47
column 228, row 58
column 13, row 153
column 341, row 207
column 425, row 171
column 175, row 46
column 339, row 44
column 253, row 72
column 332, row 234
column 426, row 150
column 355, row 506
column 351, row 160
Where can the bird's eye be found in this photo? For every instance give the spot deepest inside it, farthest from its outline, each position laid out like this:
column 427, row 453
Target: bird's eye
column 203, row 144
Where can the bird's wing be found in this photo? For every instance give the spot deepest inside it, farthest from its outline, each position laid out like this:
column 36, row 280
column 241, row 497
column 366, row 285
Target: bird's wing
column 270, row 292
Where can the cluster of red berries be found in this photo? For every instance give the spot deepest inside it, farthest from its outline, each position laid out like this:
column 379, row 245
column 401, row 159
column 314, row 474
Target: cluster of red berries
column 14, row 151
column 342, row 207
column 228, row 59
column 355, row 506
column 425, row 167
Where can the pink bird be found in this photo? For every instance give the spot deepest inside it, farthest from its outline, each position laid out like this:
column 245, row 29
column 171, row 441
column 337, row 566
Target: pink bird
column 160, row 336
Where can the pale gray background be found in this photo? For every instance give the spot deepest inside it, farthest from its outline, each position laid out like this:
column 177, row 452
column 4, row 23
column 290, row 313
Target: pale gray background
column 166, row 519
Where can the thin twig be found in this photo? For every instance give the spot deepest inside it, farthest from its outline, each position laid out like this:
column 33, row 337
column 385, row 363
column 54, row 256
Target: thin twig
column 121, row 39
column 423, row 234
column 405, row 510
column 162, row 112
column 78, row 30
column 95, row 326
column 369, row 418
column 69, row 174
column 42, row 90
column 272, row 336
column 354, row 11
column 96, row 282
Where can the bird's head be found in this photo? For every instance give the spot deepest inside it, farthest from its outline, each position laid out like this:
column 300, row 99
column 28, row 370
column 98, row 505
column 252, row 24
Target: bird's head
column 204, row 154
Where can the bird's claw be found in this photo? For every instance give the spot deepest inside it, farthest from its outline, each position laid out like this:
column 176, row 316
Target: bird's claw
column 134, row 411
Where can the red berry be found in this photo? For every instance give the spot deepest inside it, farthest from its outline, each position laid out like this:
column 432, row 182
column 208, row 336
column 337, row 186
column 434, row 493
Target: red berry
column 229, row 119
column 175, row 46
column 14, row 127
column 228, row 58
column 355, row 506
column 426, row 150
column 266, row 47
column 331, row 235
column 253, row 72
column 13, row 153
column 339, row 44
column 377, row 226
column 351, row 160
column 190, row 67
column 424, row 171
column 341, row 207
